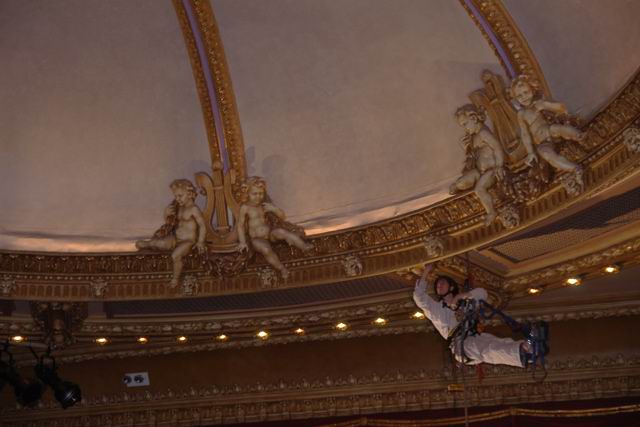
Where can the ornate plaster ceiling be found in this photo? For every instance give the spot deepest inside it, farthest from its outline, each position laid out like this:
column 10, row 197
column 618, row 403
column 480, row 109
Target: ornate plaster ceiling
column 346, row 107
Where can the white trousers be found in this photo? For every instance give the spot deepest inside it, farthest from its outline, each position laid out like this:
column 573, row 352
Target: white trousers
column 488, row 348
column 479, row 348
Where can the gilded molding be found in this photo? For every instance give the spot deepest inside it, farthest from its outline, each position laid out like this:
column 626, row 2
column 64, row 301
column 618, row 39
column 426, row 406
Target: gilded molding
column 511, row 39
column 569, row 379
column 626, row 251
column 224, row 96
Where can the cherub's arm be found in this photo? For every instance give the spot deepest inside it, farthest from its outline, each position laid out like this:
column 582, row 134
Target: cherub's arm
column 554, row 107
column 491, row 140
column 526, row 138
column 242, row 235
column 170, row 210
column 268, row 207
column 202, row 228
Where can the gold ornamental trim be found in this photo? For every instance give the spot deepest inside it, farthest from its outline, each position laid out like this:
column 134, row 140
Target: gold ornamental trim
column 490, row 416
column 371, row 393
column 512, row 41
column 224, row 97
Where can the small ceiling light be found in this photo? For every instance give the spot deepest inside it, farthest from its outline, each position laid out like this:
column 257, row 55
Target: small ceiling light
column 142, row 340
column 263, row 335
column 299, row 331
column 574, row 281
column 534, row 291
column 17, row 338
column 101, row 341
column 341, row 326
column 380, row 321
column 612, row 269
column 182, row 339
column 418, row 315
column 222, row 337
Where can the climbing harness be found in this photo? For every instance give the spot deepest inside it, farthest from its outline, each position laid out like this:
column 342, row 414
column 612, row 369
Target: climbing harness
column 536, row 334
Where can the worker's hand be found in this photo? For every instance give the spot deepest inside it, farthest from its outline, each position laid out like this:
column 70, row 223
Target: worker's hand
column 427, row 269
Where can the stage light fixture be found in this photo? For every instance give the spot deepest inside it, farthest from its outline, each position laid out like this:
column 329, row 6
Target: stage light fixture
column 65, row 392
column 27, row 392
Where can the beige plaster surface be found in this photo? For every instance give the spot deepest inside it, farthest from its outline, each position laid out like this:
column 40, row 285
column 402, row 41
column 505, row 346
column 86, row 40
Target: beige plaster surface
column 98, row 114
column 587, row 49
column 347, row 106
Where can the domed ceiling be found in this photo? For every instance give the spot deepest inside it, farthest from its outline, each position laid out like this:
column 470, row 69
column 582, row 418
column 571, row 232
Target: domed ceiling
column 346, row 108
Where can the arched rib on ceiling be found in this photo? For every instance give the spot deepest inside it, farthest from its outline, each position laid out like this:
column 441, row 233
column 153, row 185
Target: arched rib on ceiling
column 213, row 83
column 506, row 40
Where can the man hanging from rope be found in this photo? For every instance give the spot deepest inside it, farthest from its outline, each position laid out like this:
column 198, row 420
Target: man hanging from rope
column 452, row 316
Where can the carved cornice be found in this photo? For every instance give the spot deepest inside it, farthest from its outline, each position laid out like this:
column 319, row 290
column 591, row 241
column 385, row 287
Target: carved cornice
column 217, row 71
column 390, row 245
column 569, row 379
column 594, row 263
column 505, row 31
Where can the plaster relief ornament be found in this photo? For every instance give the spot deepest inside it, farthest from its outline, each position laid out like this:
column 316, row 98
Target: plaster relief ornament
column 7, row 285
column 264, row 223
column 98, row 286
column 189, row 285
column 352, row 266
column 268, row 278
column 434, row 246
column 631, row 139
column 541, row 127
column 484, row 158
column 184, row 227
column 509, row 217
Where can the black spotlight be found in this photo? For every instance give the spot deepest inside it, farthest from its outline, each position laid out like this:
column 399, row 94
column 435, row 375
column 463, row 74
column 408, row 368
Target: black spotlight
column 66, row 393
column 28, row 392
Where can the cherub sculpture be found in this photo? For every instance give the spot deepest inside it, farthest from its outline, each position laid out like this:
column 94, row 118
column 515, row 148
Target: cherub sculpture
column 535, row 129
column 183, row 229
column 254, row 220
column 484, row 162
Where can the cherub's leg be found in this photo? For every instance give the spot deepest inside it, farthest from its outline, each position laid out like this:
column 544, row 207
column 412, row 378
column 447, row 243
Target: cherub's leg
column 181, row 250
column 556, row 160
column 291, row 238
column 465, row 182
column 264, row 247
column 566, row 132
column 163, row 244
column 482, row 190
column 488, row 348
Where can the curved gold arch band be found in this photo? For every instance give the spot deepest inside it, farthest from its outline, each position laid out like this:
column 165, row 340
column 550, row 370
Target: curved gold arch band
column 213, row 83
column 506, row 40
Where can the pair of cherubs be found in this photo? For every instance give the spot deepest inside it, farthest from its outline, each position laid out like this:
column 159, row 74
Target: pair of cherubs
column 485, row 158
column 185, row 227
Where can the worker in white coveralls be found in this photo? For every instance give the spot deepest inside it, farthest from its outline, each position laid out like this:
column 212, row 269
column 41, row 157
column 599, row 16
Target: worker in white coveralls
column 479, row 348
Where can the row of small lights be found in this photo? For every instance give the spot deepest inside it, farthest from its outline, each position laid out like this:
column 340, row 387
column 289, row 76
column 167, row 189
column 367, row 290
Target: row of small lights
column 380, row 321
column 577, row 280
column 263, row 335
